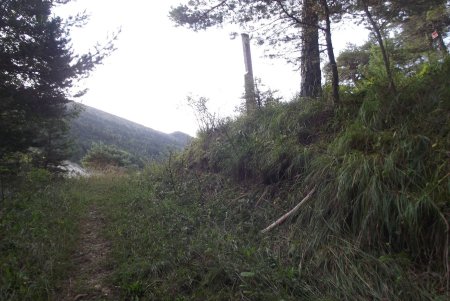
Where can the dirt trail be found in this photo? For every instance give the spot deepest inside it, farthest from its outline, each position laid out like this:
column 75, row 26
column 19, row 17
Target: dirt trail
column 87, row 279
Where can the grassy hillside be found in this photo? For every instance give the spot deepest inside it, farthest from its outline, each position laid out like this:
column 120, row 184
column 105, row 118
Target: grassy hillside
column 94, row 125
column 375, row 227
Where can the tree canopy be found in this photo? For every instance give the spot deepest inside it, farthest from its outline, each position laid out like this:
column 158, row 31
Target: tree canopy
column 291, row 28
column 37, row 70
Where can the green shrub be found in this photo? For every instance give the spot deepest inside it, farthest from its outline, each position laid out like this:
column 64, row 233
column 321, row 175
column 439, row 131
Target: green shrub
column 103, row 157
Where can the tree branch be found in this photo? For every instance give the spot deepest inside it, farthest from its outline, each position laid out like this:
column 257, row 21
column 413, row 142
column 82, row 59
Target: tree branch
column 376, row 30
column 214, row 7
column 295, row 19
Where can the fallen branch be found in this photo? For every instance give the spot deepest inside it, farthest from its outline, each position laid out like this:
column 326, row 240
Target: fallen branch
column 293, row 210
column 239, row 197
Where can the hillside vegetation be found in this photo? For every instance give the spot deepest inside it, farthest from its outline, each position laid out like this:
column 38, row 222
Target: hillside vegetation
column 95, row 126
column 342, row 193
column 376, row 226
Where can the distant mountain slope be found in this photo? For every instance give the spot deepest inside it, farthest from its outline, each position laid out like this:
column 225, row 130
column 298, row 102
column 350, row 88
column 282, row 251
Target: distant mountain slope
column 94, row 125
column 181, row 137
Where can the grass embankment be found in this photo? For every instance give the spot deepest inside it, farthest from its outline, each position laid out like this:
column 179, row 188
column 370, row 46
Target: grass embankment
column 375, row 229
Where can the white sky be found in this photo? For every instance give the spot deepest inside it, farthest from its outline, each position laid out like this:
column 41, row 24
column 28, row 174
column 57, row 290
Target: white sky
column 156, row 65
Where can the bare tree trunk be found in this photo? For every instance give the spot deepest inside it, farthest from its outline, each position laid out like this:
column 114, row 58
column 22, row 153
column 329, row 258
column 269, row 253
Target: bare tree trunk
column 310, row 72
column 380, row 41
column 330, row 51
column 250, row 96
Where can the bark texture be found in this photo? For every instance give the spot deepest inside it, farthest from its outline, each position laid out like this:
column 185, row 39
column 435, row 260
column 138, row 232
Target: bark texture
column 330, row 51
column 310, row 73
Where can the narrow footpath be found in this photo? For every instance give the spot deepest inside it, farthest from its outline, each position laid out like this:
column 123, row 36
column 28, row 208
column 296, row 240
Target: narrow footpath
column 87, row 280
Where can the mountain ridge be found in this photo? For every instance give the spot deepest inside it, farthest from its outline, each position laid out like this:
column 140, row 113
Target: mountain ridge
column 96, row 126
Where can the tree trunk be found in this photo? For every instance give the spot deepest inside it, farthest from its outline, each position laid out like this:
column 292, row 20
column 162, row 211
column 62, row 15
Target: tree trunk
column 442, row 46
column 310, row 73
column 330, row 51
column 250, row 95
column 380, row 41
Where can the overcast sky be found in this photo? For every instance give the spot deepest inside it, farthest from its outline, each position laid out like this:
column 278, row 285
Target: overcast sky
column 156, row 65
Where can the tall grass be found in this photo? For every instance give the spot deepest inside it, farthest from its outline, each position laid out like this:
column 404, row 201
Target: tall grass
column 38, row 234
column 380, row 166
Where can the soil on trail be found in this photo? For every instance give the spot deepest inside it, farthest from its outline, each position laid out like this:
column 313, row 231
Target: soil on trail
column 87, row 280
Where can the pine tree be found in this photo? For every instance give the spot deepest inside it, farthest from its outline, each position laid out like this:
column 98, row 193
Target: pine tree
column 424, row 24
column 310, row 54
column 37, row 69
column 414, row 22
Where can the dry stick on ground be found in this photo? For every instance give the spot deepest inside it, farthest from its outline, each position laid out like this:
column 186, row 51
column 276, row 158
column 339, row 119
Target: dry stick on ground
column 261, row 197
column 239, row 197
column 293, row 210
